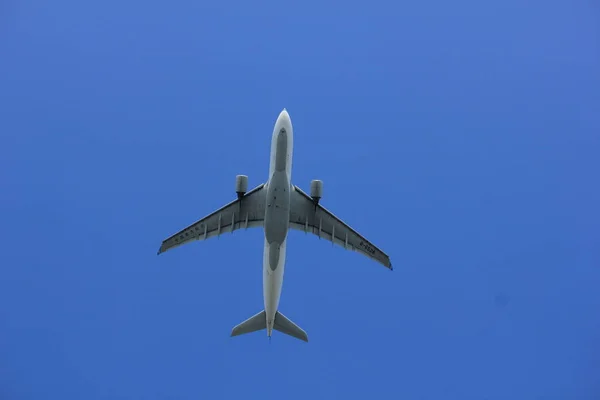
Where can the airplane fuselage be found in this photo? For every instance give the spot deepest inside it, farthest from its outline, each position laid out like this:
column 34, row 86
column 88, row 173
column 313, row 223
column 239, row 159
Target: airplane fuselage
column 277, row 214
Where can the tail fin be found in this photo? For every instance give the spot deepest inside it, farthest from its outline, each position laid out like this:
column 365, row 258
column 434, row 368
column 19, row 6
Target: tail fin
column 259, row 322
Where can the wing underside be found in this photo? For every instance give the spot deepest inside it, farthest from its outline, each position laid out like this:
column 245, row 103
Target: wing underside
column 307, row 217
column 247, row 212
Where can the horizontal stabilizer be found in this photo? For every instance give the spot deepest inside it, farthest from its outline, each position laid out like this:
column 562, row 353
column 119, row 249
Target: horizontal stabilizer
column 252, row 324
column 284, row 325
column 259, row 322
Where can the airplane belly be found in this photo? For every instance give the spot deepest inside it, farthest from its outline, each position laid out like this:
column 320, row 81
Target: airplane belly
column 273, row 278
column 277, row 213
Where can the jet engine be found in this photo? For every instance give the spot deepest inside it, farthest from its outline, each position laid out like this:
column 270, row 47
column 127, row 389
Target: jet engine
column 316, row 190
column 241, row 185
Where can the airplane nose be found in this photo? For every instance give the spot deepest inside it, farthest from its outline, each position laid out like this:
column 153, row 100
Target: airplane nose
column 284, row 116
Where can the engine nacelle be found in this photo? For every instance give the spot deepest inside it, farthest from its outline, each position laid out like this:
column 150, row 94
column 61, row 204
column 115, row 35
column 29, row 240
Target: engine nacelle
column 316, row 190
column 241, row 185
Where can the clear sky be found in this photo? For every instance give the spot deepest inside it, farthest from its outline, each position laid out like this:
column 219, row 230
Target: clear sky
column 461, row 137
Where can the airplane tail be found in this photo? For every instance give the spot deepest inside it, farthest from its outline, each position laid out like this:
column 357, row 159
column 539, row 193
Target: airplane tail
column 259, row 322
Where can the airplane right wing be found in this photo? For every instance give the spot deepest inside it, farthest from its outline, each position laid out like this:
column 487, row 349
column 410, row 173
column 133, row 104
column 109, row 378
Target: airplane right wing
column 247, row 212
column 307, row 217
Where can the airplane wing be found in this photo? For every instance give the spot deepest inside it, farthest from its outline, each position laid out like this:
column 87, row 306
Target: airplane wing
column 247, row 212
column 306, row 217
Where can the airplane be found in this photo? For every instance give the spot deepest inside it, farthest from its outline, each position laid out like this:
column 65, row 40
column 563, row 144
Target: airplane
column 276, row 206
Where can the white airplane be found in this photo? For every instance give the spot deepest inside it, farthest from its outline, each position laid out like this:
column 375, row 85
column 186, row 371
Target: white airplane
column 276, row 206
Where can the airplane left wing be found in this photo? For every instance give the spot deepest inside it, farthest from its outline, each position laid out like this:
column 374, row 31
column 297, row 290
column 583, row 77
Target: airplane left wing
column 247, row 212
column 307, row 217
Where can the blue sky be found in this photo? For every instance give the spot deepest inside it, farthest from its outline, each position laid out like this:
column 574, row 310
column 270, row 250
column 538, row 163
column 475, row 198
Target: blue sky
column 461, row 137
